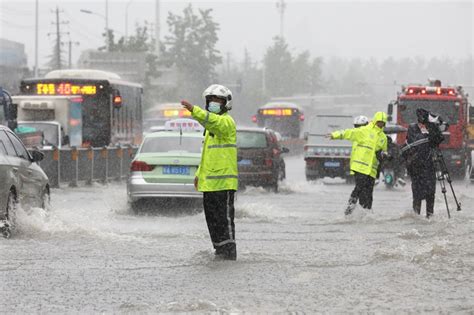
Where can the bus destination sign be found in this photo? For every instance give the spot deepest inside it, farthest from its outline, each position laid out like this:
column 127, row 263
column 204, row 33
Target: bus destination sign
column 65, row 89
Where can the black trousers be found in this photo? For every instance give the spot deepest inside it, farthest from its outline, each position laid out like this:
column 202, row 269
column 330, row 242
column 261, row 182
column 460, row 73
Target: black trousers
column 430, row 200
column 363, row 190
column 219, row 211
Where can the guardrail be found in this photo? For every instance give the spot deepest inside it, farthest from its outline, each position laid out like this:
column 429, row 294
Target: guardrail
column 74, row 165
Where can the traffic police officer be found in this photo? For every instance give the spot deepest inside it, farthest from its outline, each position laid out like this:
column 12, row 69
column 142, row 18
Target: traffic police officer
column 370, row 146
column 217, row 175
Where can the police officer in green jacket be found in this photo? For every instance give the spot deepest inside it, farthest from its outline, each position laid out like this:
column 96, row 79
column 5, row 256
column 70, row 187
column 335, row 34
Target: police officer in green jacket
column 217, row 175
column 370, row 146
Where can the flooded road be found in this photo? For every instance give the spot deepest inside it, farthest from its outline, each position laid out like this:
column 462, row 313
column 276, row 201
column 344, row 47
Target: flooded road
column 296, row 252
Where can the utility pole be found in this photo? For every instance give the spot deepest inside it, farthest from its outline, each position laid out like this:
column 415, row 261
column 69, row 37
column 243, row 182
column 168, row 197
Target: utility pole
column 58, row 41
column 281, row 6
column 57, row 64
column 228, row 63
column 36, row 39
column 157, row 28
column 70, row 43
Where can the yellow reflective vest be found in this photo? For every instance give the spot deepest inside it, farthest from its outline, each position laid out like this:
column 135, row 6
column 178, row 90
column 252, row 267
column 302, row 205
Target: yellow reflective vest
column 367, row 141
column 218, row 168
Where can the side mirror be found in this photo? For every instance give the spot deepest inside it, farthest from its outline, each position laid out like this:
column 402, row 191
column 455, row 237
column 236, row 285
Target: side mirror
column 471, row 114
column 390, row 112
column 65, row 140
column 306, row 135
column 37, row 156
column 12, row 114
column 285, row 150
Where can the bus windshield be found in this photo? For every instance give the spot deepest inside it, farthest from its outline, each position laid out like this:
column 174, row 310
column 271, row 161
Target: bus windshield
column 448, row 110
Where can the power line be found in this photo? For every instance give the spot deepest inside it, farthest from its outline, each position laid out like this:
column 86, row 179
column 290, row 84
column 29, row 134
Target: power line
column 14, row 25
column 16, row 11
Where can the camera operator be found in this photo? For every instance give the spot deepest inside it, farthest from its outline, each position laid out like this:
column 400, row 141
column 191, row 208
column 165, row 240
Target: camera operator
column 422, row 138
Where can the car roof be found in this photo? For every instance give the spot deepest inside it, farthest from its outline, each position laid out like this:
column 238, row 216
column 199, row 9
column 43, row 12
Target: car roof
column 254, row 129
column 173, row 133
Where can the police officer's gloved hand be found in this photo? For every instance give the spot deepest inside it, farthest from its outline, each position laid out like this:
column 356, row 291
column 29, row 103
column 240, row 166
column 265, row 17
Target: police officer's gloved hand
column 383, row 156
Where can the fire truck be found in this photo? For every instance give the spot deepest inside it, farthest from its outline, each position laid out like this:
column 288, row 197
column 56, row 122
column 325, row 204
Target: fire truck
column 449, row 102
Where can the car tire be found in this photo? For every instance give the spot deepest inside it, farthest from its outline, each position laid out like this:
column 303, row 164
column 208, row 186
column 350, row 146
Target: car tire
column 10, row 214
column 46, row 200
column 273, row 187
column 134, row 207
column 281, row 174
column 311, row 177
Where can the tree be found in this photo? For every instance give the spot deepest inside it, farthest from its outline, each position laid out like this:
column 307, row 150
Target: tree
column 140, row 42
column 191, row 49
column 278, row 68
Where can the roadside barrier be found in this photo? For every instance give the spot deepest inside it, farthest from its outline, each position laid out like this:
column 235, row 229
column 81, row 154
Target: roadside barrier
column 88, row 165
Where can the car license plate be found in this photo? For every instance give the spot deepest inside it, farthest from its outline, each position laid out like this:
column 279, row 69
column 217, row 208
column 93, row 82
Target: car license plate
column 332, row 164
column 175, row 170
column 245, row 162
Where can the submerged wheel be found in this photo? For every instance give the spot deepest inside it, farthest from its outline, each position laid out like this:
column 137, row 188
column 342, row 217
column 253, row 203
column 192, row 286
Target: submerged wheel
column 8, row 224
column 46, row 200
column 273, row 187
column 134, row 207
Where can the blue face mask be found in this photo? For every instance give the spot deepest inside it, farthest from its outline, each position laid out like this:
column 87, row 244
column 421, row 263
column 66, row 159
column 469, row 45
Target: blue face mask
column 214, row 107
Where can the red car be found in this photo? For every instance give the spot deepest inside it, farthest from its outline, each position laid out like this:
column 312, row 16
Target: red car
column 259, row 158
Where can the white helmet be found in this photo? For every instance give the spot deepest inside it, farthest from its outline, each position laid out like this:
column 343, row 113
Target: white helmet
column 361, row 121
column 219, row 91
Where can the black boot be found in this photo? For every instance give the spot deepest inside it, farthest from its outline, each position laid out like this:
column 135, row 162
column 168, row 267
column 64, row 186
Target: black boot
column 351, row 204
column 430, row 206
column 417, row 206
column 226, row 252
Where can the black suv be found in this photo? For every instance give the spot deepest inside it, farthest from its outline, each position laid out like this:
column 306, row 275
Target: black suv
column 259, row 158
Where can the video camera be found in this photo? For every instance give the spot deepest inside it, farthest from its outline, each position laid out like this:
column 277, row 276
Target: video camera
column 431, row 120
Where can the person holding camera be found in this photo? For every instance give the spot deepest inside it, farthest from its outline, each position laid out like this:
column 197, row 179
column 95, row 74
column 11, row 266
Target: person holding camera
column 370, row 146
column 422, row 138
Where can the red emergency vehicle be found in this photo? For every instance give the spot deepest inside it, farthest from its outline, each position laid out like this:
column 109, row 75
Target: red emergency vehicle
column 449, row 102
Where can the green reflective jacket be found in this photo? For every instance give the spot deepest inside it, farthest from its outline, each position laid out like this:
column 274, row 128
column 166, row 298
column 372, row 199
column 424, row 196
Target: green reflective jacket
column 367, row 141
column 218, row 168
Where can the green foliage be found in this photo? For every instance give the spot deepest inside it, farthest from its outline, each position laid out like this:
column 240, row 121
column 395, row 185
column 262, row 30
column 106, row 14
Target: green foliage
column 191, row 50
column 286, row 75
column 140, row 42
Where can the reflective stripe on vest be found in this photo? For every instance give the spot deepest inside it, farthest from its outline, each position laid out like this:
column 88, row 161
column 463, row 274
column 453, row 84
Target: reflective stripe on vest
column 215, row 146
column 221, row 176
column 361, row 163
column 364, row 146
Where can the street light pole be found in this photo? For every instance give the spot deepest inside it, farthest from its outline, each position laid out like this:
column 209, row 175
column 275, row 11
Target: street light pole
column 106, row 24
column 126, row 18
column 36, row 40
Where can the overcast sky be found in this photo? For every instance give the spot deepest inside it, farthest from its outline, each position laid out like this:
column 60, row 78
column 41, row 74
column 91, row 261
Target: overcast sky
column 341, row 28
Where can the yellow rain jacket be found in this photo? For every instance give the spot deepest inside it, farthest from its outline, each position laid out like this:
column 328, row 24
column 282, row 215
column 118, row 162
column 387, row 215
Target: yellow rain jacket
column 218, row 168
column 368, row 140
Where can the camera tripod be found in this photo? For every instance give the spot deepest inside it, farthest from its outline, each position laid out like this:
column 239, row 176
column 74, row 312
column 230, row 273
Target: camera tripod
column 442, row 175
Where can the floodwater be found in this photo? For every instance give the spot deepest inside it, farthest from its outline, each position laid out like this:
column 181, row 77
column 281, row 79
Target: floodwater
column 296, row 253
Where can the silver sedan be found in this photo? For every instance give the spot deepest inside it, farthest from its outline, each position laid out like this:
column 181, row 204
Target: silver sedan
column 22, row 181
